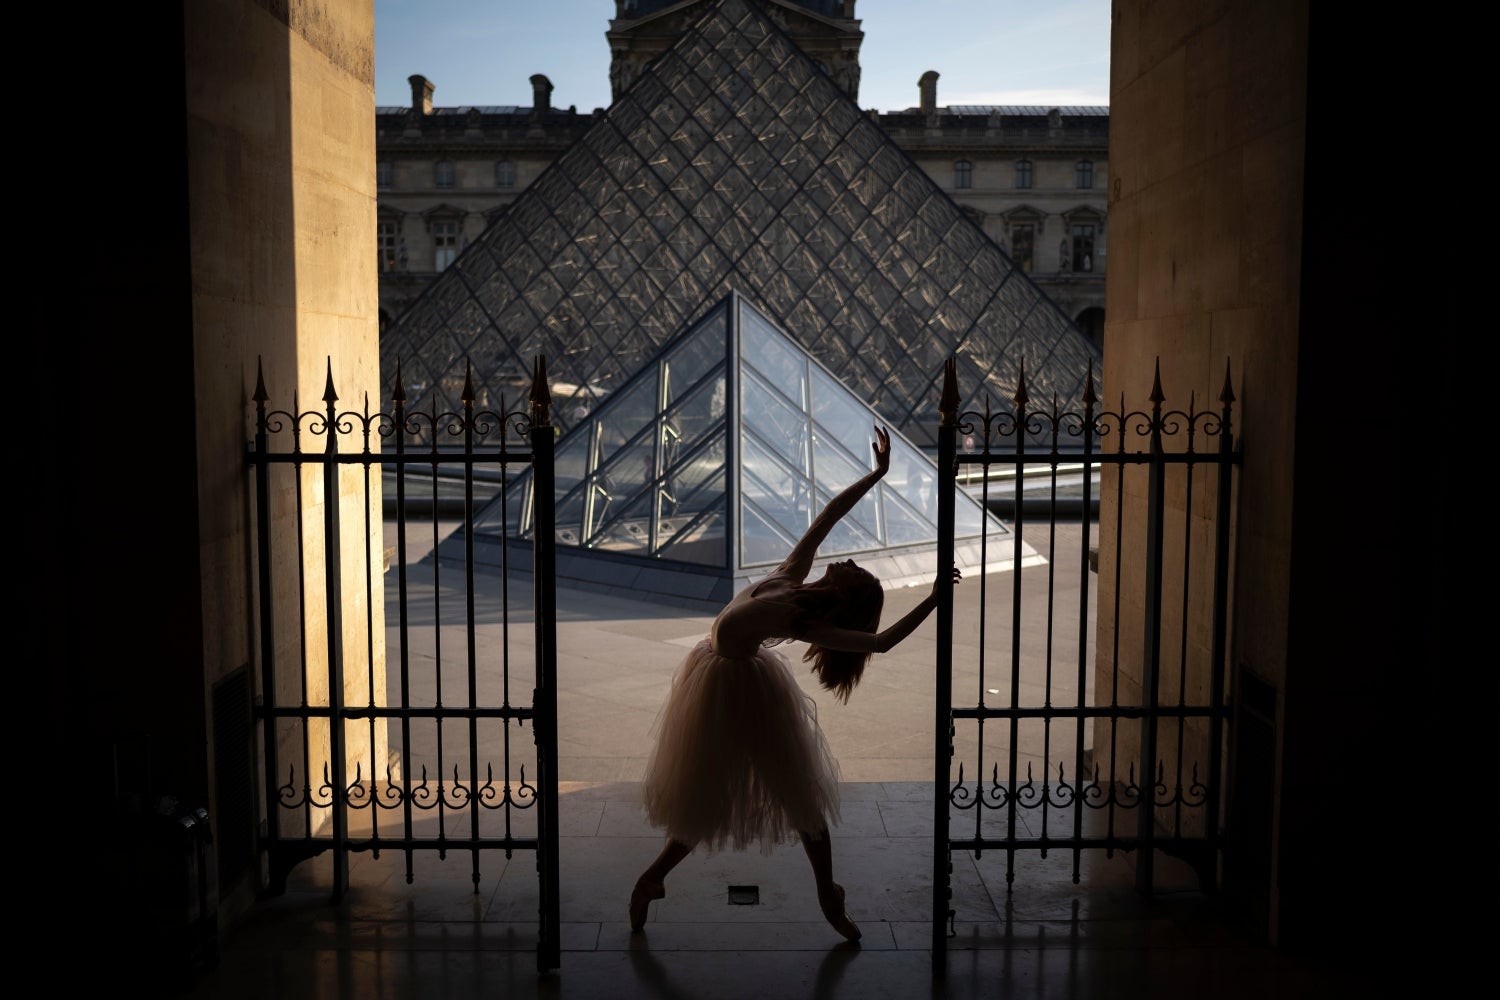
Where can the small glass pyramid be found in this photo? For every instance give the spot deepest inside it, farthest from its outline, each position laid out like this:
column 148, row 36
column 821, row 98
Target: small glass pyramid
column 735, row 162
column 700, row 474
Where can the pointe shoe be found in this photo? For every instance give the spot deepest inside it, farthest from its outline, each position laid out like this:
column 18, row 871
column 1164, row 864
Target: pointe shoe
column 832, row 905
column 640, row 898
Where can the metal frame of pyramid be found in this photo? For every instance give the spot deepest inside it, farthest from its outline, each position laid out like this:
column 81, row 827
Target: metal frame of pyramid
column 700, row 474
column 735, row 162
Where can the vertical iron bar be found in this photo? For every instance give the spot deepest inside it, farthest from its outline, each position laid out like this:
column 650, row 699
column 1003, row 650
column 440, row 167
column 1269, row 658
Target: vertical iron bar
column 1019, row 520
column 470, row 637
column 398, row 399
column 333, row 568
column 1189, row 471
column 371, row 596
column 545, row 701
column 942, row 749
column 505, row 609
column 1218, row 659
column 1150, row 673
column 1053, row 461
column 984, row 562
column 1114, row 683
column 298, row 463
column 435, row 464
column 1086, row 518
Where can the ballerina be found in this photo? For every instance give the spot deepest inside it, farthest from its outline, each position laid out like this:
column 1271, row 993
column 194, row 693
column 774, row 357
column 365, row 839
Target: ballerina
column 739, row 756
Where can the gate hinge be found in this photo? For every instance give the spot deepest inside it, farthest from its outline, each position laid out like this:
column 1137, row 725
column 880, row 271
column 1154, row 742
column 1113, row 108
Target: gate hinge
column 952, row 930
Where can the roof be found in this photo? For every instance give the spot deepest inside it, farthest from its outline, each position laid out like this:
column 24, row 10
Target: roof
column 1077, row 110
column 462, row 109
column 734, row 162
column 1019, row 110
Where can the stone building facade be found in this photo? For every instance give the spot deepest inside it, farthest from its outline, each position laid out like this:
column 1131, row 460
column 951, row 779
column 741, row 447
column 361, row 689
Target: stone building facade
column 442, row 174
column 1035, row 179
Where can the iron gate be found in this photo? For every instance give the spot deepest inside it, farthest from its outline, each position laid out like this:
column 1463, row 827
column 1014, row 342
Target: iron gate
column 1125, row 752
column 367, row 748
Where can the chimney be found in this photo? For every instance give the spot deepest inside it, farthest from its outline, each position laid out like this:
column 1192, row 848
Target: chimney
column 928, row 87
column 421, row 93
column 541, row 97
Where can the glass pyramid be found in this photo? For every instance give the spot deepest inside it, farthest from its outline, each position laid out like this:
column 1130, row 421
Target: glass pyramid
column 703, row 470
column 735, row 162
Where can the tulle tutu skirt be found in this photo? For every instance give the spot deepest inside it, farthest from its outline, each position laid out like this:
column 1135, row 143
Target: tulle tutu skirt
column 739, row 756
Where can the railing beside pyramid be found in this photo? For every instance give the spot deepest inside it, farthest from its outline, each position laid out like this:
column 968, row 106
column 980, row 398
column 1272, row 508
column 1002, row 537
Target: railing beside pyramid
column 367, row 748
column 1119, row 748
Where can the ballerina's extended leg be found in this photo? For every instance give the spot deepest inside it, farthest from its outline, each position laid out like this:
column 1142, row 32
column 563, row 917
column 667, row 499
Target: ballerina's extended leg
column 830, row 894
column 651, row 885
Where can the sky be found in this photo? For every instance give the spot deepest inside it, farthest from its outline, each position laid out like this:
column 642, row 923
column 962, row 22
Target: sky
column 1050, row 53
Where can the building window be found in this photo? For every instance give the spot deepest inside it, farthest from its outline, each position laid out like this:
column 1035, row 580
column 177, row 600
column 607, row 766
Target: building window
column 1083, row 173
column 383, row 174
column 444, row 244
column 387, row 242
column 505, row 174
column 1023, row 173
column 443, row 174
column 963, row 174
column 1083, row 247
column 1022, row 242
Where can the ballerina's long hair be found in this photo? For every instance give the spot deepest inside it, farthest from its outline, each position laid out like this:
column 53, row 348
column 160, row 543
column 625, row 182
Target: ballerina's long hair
column 858, row 608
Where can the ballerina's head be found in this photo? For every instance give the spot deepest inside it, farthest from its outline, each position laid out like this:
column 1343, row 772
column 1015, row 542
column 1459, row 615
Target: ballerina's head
column 850, row 597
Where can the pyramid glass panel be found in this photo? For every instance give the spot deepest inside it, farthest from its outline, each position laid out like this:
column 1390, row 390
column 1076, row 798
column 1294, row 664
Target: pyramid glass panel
column 715, row 458
column 734, row 162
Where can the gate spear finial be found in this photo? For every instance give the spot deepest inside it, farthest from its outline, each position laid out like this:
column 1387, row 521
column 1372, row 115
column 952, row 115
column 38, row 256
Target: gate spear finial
column 541, row 396
column 948, row 401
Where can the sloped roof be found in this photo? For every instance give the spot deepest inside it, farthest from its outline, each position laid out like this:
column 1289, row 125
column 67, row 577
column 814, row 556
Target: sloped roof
column 700, row 474
column 735, row 162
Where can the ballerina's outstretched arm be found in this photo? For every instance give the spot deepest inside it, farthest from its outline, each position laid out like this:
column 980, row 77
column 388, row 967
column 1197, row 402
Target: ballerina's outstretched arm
column 800, row 561
column 831, row 636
